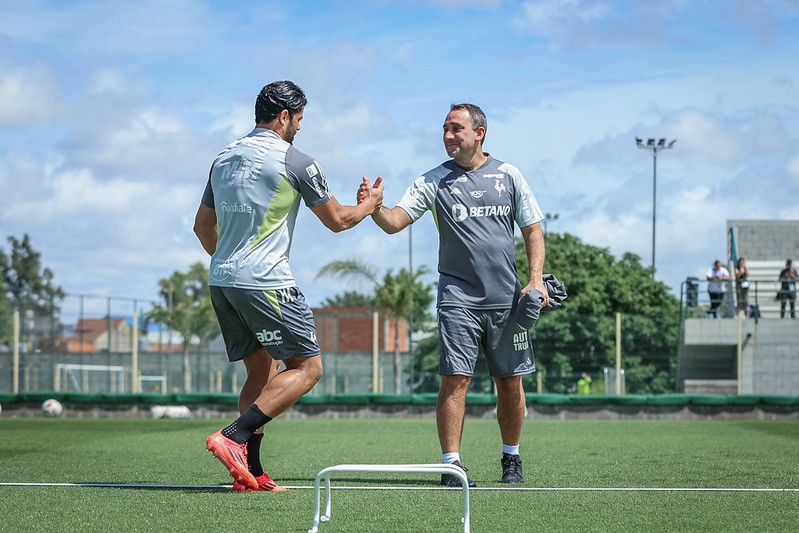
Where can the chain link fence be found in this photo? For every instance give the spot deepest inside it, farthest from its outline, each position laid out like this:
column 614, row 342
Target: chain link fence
column 94, row 345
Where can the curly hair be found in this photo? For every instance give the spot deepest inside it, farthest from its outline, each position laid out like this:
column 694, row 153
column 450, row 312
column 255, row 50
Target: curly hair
column 276, row 97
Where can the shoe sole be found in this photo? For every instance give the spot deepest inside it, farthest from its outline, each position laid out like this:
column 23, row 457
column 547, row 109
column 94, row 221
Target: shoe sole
column 237, row 474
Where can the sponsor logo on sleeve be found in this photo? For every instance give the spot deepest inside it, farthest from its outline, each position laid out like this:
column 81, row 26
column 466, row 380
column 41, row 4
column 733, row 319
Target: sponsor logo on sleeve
column 317, row 176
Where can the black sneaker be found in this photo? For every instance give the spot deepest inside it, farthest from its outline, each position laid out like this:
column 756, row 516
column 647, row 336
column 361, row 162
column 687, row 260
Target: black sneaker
column 512, row 469
column 449, row 480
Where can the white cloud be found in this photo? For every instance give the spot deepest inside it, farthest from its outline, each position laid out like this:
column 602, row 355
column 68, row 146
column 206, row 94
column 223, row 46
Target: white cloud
column 111, row 82
column 29, row 97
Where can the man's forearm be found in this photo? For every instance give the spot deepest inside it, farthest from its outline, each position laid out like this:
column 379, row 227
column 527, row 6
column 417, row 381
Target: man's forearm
column 391, row 220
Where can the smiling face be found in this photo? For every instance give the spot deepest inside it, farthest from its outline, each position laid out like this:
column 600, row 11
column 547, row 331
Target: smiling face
column 462, row 142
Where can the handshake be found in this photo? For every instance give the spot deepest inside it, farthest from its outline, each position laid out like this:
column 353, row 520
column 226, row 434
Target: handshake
column 373, row 193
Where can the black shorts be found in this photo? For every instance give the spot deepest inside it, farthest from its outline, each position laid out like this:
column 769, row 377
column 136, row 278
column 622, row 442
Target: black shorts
column 278, row 320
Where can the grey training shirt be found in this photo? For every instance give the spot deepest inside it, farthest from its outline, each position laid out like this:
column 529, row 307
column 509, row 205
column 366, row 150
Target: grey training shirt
column 474, row 211
column 255, row 187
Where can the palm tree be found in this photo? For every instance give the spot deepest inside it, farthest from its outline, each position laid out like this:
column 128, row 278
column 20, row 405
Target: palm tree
column 187, row 310
column 402, row 295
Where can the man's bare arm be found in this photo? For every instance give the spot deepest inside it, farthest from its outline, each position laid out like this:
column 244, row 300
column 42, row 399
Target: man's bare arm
column 391, row 220
column 205, row 228
column 337, row 217
column 536, row 252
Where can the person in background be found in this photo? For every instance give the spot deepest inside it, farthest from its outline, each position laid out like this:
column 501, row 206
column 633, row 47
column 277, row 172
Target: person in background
column 584, row 384
column 717, row 275
column 741, row 286
column 787, row 294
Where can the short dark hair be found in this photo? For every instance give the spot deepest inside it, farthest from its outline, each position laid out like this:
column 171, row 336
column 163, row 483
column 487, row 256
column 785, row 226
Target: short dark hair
column 276, row 97
column 478, row 117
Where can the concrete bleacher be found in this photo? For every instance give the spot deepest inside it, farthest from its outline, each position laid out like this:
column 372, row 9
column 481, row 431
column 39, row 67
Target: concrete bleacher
column 760, row 356
column 764, row 286
column 765, row 245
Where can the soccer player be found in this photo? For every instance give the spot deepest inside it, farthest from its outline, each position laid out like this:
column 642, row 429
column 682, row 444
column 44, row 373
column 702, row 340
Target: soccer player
column 245, row 222
column 475, row 200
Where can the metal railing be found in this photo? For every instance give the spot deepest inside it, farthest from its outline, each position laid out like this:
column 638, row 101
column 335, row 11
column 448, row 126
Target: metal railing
column 755, row 298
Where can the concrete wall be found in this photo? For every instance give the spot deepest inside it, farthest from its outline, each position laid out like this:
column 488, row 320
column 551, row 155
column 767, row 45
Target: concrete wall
column 769, row 347
column 765, row 240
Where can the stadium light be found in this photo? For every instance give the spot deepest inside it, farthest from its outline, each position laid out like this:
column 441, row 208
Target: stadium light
column 654, row 147
column 547, row 218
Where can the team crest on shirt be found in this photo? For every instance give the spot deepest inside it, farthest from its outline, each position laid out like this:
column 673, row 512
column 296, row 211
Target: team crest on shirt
column 500, row 187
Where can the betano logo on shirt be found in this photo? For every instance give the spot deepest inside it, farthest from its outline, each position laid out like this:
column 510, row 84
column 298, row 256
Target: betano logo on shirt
column 460, row 212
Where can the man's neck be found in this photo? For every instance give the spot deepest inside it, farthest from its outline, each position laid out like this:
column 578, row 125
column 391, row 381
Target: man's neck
column 273, row 126
column 474, row 162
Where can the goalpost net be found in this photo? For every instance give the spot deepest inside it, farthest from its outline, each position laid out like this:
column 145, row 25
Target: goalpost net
column 89, row 378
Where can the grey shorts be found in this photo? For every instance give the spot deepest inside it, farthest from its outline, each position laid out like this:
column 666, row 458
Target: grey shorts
column 467, row 333
column 278, row 320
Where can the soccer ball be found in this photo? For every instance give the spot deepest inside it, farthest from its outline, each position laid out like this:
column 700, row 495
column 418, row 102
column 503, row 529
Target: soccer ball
column 52, row 407
column 177, row 411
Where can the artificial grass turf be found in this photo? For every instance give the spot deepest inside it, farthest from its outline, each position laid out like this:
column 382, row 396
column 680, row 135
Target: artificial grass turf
column 556, row 454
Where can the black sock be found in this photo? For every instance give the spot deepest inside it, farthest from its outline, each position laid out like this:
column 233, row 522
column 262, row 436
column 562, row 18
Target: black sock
column 254, row 454
column 243, row 428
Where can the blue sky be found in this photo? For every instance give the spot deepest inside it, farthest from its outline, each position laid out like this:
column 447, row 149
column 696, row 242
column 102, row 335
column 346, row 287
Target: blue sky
column 111, row 113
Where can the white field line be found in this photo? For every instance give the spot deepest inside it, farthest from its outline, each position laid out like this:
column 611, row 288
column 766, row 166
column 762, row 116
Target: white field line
column 339, row 487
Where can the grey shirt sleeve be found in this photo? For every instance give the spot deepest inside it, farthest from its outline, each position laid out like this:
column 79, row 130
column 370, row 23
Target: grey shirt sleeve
column 307, row 176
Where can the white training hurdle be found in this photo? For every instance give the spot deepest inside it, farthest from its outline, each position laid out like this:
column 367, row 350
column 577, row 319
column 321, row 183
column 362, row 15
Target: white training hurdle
column 412, row 468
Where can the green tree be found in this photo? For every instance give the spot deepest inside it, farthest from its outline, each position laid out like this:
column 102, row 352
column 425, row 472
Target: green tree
column 6, row 325
column 27, row 284
column 29, row 287
column 402, row 295
column 350, row 299
column 187, row 309
column 581, row 336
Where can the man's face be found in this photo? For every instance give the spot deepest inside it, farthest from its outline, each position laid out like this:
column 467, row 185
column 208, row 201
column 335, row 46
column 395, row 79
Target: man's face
column 293, row 126
column 717, row 265
column 460, row 139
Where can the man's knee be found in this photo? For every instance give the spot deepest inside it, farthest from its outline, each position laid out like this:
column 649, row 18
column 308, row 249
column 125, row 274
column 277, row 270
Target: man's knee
column 311, row 367
column 512, row 384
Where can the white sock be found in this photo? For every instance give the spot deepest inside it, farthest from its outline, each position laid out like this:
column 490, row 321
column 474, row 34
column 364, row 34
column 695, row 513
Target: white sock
column 450, row 457
column 511, row 450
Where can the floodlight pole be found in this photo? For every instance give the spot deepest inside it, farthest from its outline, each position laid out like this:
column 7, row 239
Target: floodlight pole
column 410, row 316
column 654, row 147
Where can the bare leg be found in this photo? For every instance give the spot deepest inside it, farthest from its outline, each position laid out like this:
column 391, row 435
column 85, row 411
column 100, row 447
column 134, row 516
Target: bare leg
column 451, row 410
column 260, row 369
column 283, row 390
column 510, row 409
